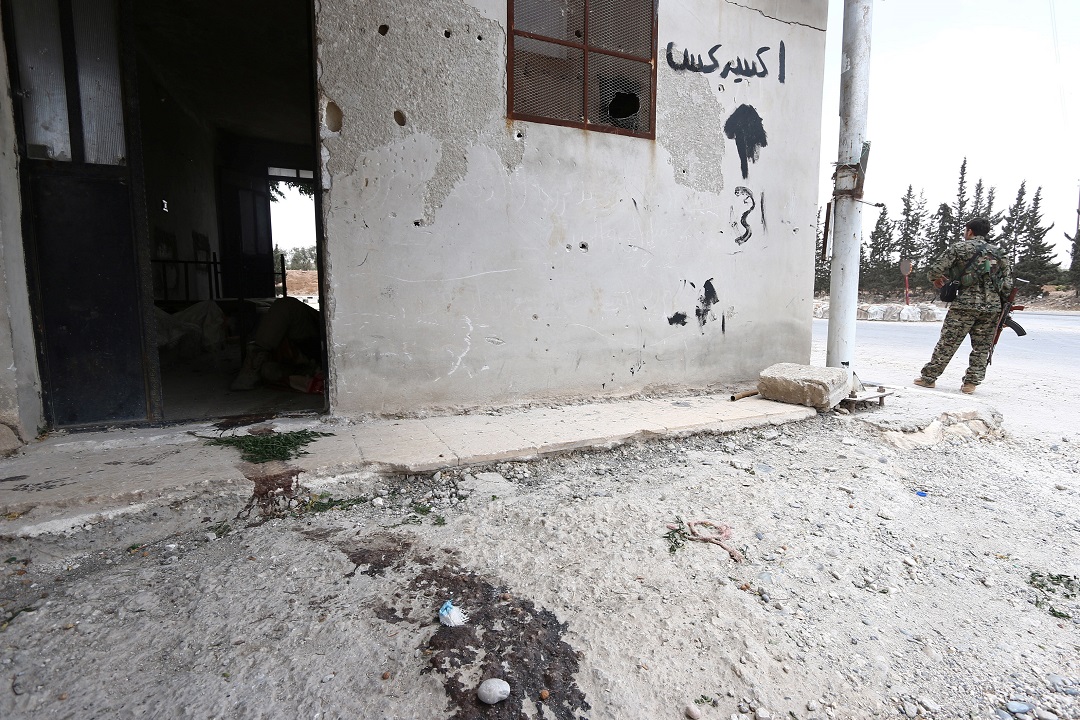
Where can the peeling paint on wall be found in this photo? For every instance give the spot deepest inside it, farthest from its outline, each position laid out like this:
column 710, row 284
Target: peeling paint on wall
column 689, row 125
column 404, row 52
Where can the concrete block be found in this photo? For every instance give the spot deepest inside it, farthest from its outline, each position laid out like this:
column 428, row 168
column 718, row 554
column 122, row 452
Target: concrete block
column 818, row 387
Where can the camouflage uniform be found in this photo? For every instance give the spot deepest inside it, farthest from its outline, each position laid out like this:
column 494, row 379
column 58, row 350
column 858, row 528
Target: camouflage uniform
column 974, row 313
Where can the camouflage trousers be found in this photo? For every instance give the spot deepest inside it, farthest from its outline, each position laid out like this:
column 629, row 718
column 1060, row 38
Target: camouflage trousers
column 980, row 326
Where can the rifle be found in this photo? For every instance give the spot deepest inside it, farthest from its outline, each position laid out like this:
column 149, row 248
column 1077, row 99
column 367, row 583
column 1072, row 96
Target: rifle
column 1005, row 321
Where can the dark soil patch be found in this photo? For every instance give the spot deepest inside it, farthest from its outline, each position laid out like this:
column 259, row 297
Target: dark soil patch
column 377, row 553
column 276, row 490
column 506, row 637
column 243, row 421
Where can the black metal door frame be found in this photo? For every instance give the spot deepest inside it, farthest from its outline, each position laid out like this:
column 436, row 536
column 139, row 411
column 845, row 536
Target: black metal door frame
column 130, row 174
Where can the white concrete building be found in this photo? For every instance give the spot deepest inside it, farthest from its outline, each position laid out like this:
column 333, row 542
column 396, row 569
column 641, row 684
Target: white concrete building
column 519, row 200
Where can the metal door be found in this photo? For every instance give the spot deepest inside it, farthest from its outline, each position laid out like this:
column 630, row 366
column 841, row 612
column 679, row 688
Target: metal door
column 82, row 249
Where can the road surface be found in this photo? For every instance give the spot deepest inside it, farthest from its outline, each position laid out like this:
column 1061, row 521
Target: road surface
column 1034, row 380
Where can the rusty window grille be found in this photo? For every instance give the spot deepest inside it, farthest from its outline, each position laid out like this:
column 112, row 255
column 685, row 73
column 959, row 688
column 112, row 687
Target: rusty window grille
column 584, row 63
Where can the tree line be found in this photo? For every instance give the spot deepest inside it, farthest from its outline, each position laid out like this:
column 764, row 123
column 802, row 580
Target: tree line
column 920, row 235
column 297, row 258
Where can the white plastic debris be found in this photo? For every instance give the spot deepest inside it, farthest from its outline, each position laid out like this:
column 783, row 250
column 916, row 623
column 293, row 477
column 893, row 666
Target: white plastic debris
column 451, row 616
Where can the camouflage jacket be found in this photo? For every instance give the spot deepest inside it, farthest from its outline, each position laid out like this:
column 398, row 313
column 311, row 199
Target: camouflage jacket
column 982, row 296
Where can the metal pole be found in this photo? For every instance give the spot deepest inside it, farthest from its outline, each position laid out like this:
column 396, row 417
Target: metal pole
column 847, row 212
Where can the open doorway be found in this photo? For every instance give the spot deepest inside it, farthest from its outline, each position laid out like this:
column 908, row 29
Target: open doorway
column 227, row 121
column 152, row 137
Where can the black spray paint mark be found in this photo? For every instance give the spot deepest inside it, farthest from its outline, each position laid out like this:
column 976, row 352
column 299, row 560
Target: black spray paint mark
column 747, row 232
column 783, row 63
column 723, row 324
column 705, row 302
column 746, row 129
column 678, row 318
column 761, row 205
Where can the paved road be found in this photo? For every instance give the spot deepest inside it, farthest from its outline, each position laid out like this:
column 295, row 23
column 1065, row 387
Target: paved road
column 1034, row 380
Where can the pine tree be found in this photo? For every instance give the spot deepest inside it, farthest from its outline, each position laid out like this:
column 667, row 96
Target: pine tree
column 977, row 208
column 909, row 228
column 960, row 209
column 1035, row 261
column 941, row 232
column 1074, row 266
column 880, row 263
column 822, row 261
column 994, row 217
column 1014, row 225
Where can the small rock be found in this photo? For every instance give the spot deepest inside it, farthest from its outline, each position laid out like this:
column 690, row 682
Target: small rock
column 929, row 704
column 692, row 712
column 378, row 502
column 1015, row 706
column 849, row 441
column 1045, row 714
column 812, row 706
column 328, row 678
column 762, row 714
column 910, row 710
column 1059, row 486
column 1002, row 715
column 493, row 690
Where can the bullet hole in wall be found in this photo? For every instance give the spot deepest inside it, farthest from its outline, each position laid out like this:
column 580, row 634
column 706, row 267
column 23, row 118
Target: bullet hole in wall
column 520, row 135
column 399, row 118
column 584, row 247
column 332, row 116
column 624, row 105
column 567, row 247
column 446, row 33
column 383, row 29
column 479, row 38
column 417, row 223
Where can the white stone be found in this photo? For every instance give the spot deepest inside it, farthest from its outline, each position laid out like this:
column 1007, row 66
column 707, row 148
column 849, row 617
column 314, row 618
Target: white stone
column 493, row 690
column 692, row 712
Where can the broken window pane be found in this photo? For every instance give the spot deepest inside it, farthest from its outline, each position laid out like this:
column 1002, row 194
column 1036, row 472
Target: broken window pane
column 553, row 42
column 99, row 81
column 41, row 76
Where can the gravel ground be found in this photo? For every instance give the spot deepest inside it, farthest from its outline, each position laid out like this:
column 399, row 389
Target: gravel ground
column 883, row 574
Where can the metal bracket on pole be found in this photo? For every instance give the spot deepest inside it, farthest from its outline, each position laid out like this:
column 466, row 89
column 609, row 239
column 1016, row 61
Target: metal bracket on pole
column 851, row 178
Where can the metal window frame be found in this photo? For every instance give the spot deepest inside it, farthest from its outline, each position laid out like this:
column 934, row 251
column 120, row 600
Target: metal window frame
column 586, row 48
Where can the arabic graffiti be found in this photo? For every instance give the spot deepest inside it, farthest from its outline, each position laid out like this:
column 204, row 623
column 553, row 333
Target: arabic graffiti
column 746, row 194
column 740, row 67
column 746, row 129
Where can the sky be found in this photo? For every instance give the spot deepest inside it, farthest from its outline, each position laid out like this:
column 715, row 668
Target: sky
column 990, row 80
column 292, row 220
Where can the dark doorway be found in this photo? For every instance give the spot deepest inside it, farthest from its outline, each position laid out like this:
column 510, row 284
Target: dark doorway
column 151, row 132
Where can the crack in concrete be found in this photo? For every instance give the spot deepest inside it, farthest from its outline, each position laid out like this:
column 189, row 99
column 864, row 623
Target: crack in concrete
column 762, row 13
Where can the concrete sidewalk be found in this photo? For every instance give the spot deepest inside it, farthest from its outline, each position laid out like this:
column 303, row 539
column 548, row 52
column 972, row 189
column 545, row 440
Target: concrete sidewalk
column 68, row 479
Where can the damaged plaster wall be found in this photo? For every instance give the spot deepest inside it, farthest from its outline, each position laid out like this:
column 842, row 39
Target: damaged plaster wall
column 474, row 260
column 20, row 387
